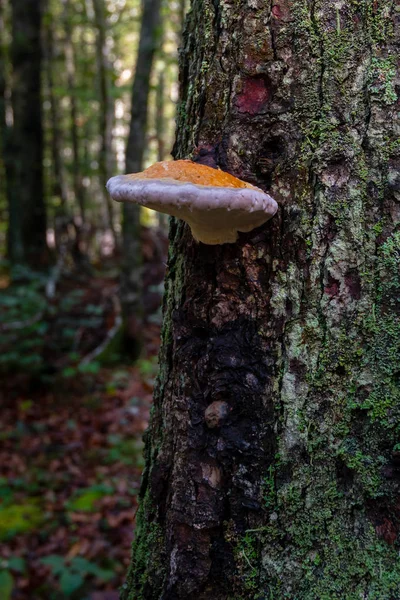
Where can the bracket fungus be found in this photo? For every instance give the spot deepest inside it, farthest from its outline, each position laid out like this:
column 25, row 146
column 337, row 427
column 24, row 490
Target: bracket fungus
column 215, row 204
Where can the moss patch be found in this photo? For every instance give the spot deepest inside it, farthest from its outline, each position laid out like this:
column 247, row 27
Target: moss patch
column 20, row 518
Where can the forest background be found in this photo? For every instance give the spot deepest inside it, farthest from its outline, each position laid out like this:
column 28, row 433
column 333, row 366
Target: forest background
column 79, row 334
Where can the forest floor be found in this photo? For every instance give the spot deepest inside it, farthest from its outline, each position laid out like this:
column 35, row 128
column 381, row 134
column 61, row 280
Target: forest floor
column 71, row 451
column 70, row 464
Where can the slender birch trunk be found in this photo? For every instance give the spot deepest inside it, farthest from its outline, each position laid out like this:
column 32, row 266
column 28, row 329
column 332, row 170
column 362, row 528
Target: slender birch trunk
column 106, row 117
column 79, row 190
column 131, row 284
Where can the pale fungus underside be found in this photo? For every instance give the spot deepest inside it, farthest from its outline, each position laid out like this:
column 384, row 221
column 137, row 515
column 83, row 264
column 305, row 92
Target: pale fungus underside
column 215, row 204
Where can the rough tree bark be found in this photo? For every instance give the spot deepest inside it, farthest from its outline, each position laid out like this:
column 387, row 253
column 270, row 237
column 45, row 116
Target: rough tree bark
column 273, row 456
column 27, row 131
column 131, row 272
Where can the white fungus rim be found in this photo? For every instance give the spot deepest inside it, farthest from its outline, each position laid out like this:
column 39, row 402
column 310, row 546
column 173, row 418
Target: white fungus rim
column 165, row 192
column 214, row 214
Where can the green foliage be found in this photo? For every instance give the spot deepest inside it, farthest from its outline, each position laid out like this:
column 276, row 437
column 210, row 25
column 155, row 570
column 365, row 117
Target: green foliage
column 126, row 451
column 22, row 328
column 6, row 584
column 148, row 367
column 32, row 329
column 91, row 368
column 119, row 380
column 72, row 574
column 6, row 493
column 16, row 563
column 85, row 500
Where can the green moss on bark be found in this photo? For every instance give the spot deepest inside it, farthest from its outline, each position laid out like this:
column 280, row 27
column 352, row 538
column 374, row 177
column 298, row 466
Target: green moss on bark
column 319, row 284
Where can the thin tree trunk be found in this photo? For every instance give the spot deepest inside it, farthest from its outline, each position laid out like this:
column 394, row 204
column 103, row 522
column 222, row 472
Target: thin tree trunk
column 160, row 134
column 79, row 190
column 59, row 183
column 181, row 20
column 272, row 458
column 131, row 288
column 160, row 116
column 27, row 144
column 3, row 85
column 106, row 121
column 14, row 231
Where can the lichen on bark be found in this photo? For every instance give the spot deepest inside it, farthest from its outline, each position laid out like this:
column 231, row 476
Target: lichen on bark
column 295, row 494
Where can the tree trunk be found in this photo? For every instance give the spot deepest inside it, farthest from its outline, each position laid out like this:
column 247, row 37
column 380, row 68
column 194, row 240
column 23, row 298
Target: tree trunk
column 273, row 455
column 131, row 286
column 3, row 88
column 106, row 116
column 160, row 116
column 59, row 183
column 160, row 134
column 14, row 232
column 79, row 190
column 182, row 9
column 27, row 133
